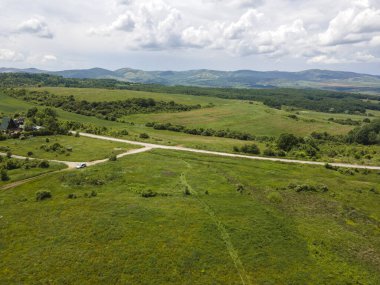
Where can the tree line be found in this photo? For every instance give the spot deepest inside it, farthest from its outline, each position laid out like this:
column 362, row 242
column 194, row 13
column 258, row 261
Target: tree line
column 311, row 99
column 107, row 110
column 208, row 132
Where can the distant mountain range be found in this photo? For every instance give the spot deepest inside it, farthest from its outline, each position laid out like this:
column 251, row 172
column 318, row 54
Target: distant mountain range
column 314, row 78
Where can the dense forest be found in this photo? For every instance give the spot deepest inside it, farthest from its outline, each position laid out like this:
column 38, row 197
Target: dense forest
column 105, row 110
column 311, row 99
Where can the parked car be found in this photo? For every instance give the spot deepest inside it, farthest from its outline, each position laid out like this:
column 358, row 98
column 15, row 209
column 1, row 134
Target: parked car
column 81, row 165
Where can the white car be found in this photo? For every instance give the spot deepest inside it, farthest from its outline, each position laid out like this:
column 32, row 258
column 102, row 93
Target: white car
column 81, row 165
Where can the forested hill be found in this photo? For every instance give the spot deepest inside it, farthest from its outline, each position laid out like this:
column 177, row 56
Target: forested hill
column 318, row 100
column 315, row 78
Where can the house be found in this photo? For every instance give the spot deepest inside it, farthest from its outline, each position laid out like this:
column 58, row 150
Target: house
column 8, row 124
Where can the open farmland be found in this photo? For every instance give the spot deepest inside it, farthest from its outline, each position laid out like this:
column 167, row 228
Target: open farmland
column 207, row 220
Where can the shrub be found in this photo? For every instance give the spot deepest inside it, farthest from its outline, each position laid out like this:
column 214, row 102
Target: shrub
column 308, row 188
column 287, row 141
column 240, row 188
column 30, row 153
column 47, row 140
column 144, row 136
column 113, row 157
column 187, row 192
column 346, row 172
column 252, row 149
column 373, row 190
column 4, row 175
column 275, row 197
column 124, row 133
column 44, row 164
column 294, row 117
column 77, row 135
column 4, row 148
column 9, row 154
column 148, row 194
column 43, row 195
column 331, row 167
column 72, row 196
column 269, row 152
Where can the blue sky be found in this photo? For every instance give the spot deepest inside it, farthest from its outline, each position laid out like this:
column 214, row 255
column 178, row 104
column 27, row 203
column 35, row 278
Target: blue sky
column 179, row 35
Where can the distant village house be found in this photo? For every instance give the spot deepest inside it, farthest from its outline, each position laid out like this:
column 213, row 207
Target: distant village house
column 11, row 125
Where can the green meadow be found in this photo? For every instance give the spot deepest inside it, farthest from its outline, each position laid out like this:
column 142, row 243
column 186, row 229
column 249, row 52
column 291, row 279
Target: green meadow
column 166, row 217
column 254, row 118
column 234, row 114
column 21, row 174
column 70, row 148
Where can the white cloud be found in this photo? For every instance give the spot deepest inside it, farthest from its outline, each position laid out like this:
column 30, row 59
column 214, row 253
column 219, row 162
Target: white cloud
column 224, row 33
column 124, row 23
column 49, row 58
column 358, row 57
column 35, row 26
column 237, row 3
column 10, row 55
column 155, row 25
column 41, row 59
column 353, row 25
column 247, row 23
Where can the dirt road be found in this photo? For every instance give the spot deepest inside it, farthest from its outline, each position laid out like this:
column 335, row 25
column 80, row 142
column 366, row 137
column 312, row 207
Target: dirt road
column 177, row 148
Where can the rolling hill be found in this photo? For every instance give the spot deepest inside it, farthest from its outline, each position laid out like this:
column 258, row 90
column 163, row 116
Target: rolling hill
column 314, row 78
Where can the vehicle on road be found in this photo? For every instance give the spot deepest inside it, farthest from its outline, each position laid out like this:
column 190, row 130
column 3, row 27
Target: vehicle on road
column 81, row 165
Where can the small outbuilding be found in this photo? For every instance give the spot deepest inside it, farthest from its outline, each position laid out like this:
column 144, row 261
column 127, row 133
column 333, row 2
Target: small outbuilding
column 8, row 124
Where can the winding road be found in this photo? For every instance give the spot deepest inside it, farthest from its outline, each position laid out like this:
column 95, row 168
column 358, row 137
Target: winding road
column 149, row 146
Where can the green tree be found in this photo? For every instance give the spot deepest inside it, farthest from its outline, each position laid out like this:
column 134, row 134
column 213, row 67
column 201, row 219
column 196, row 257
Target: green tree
column 287, row 141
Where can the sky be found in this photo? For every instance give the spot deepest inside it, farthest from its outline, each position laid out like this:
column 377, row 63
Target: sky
column 289, row 35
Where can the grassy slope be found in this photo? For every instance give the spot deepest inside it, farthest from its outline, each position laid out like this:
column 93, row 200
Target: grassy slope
column 233, row 114
column 21, row 174
column 227, row 113
column 83, row 149
column 119, row 237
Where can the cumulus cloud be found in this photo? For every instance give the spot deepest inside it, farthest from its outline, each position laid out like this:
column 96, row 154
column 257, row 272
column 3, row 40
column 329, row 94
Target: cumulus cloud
column 35, row 26
column 41, row 59
column 154, row 24
column 237, row 3
column 10, row 55
column 308, row 31
column 358, row 57
column 353, row 25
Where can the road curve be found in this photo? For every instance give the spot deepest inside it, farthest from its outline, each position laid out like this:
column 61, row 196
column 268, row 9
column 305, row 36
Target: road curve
column 72, row 164
column 177, row 148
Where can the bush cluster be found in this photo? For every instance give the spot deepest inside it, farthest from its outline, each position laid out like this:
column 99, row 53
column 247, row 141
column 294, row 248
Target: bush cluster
column 43, row 195
column 308, row 188
column 208, row 132
column 8, row 163
column 107, row 110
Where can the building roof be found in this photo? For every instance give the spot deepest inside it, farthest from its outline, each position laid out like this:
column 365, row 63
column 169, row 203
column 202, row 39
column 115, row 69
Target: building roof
column 7, row 124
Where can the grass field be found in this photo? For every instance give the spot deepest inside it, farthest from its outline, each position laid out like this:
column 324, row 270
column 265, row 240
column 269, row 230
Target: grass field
column 81, row 149
column 234, row 114
column 21, row 174
column 264, row 233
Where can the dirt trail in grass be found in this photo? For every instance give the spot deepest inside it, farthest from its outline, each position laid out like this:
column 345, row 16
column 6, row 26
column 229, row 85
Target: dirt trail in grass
column 70, row 166
column 177, row 148
column 20, row 182
column 223, row 232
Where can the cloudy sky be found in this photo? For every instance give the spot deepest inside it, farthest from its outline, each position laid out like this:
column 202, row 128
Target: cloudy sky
column 215, row 34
